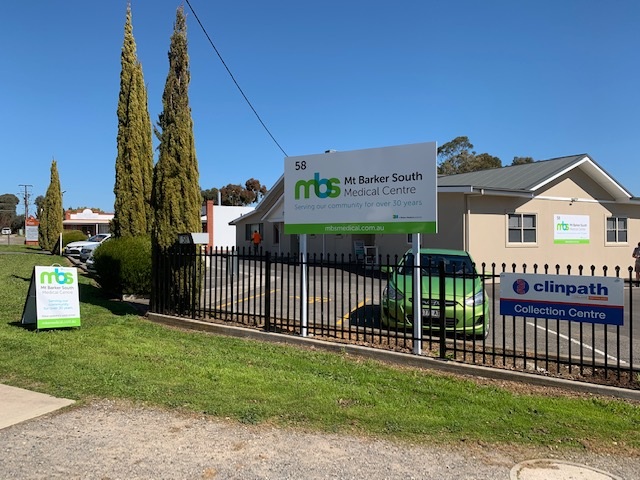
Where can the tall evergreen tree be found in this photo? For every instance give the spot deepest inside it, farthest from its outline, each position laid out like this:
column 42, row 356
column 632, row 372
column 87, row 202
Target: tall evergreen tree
column 134, row 163
column 175, row 196
column 51, row 217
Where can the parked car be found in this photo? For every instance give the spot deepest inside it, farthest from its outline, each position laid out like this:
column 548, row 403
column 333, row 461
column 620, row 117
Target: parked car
column 90, row 263
column 6, row 231
column 466, row 305
column 87, row 250
column 74, row 249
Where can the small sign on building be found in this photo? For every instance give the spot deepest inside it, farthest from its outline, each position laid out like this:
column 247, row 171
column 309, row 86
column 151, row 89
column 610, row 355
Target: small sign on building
column 53, row 298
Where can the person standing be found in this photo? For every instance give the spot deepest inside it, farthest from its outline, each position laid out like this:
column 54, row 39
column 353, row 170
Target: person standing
column 636, row 255
column 256, row 238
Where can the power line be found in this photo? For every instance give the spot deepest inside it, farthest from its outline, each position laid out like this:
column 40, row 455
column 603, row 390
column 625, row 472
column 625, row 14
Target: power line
column 234, row 80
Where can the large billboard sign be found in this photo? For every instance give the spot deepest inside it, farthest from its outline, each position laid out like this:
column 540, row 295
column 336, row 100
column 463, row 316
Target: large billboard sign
column 564, row 297
column 377, row 190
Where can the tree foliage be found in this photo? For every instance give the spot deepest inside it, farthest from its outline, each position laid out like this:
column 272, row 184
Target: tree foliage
column 457, row 156
column 176, row 196
column 134, row 162
column 80, row 209
column 521, row 160
column 51, row 215
column 210, row 194
column 17, row 223
column 484, row 161
column 256, row 189
column 8, row 204
column 39, row 203
column 237, row 195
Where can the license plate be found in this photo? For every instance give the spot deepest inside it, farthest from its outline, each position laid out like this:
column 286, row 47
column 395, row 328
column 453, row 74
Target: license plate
column 431, row 313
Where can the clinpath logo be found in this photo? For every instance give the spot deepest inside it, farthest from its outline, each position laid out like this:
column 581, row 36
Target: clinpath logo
column 322, row 187
column 57, row 276
column 520, row 286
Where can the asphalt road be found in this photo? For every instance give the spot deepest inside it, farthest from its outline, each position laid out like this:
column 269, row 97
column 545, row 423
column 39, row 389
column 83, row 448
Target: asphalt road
column 11, row 240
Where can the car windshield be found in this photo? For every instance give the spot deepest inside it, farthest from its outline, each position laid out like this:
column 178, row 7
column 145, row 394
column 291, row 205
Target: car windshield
column 429, row 264
column 97, row 238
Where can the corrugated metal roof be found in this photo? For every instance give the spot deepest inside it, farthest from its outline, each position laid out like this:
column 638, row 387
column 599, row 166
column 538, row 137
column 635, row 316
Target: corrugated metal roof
column 516, row 177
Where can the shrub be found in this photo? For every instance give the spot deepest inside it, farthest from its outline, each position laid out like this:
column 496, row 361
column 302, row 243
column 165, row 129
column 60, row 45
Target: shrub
column 123, row 265
column 69, row 236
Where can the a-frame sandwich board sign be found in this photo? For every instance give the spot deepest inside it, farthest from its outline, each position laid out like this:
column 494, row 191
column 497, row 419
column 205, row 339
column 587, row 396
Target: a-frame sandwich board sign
column 53, row 298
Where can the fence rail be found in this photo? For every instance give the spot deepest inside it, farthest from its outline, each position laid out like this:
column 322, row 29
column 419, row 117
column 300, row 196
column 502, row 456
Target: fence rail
column 348, row 302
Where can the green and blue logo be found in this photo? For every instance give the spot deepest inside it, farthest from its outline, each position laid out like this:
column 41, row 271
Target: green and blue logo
column 322, row 187
column 56, row 276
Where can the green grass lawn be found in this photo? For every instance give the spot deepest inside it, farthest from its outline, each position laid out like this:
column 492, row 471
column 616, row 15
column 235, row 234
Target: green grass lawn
column 117, row 354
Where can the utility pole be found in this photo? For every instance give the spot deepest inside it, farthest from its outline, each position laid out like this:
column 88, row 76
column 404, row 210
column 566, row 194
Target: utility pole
column 26, row 196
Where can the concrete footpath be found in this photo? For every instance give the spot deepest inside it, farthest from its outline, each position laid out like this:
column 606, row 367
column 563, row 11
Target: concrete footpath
column 18, row 405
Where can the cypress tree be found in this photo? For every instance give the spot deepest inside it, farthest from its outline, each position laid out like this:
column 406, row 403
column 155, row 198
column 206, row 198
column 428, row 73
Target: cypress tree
column 51, row 219
column 176, row 185
column 175, row 196
column 134, row 163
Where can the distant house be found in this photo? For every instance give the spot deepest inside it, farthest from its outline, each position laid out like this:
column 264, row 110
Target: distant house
column 89, row 222
column 215, row 222
column 565, row 211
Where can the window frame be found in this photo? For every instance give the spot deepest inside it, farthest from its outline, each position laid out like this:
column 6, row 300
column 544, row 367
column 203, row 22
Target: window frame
column 522, row 229
column 617, row 230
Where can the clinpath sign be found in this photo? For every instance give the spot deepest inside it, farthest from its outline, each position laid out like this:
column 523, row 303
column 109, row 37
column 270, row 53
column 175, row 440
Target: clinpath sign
column 377, row 190
column 53, row 300
column 563, row 297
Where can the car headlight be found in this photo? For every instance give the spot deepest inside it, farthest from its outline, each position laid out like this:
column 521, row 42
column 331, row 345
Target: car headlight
column 477, row 299
column 392, row 294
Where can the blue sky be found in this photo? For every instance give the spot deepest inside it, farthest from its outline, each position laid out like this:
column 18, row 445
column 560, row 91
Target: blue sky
column 539, row 78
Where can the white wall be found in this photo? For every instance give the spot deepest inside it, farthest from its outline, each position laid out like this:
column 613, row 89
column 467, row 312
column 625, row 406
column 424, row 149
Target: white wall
column 224, row 235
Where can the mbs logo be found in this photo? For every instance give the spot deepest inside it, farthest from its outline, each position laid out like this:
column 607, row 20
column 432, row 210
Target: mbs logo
column 322, row 187
column 56, row 276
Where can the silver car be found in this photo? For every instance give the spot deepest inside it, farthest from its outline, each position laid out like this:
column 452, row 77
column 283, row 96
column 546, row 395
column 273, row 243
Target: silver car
column 90, row 264
column 87, row 251
column 74, row 249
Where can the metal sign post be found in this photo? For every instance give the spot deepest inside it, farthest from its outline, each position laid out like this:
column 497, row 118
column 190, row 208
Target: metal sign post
column 304, row 294
column 417, row 295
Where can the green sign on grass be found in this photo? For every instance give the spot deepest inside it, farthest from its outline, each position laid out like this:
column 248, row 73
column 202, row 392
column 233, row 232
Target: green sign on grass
column 53, row 299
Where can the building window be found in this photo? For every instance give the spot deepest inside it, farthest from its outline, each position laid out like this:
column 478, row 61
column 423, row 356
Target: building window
column 409, row 238
column 616, row 230
column 276, row 234
column 522, row 228
column 250, row 228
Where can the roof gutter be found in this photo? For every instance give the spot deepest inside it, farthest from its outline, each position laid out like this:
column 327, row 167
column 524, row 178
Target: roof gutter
column 470, row 190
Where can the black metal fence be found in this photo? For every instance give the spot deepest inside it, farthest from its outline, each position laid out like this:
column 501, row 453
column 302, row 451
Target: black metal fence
column 349, row 302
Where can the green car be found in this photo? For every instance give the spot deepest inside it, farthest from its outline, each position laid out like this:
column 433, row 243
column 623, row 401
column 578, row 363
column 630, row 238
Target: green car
column 466, row 305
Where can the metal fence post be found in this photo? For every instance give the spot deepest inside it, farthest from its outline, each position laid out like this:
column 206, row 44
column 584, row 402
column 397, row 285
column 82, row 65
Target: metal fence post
column 267, row 292
column 442, row 291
